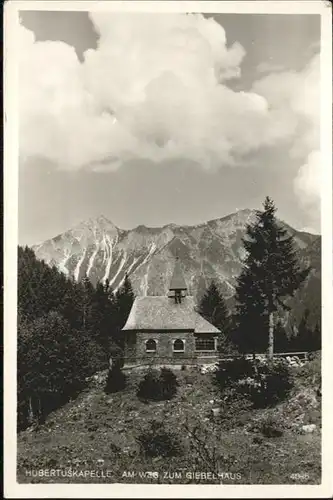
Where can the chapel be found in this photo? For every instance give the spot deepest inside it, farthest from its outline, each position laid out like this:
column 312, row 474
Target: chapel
column 167, row 329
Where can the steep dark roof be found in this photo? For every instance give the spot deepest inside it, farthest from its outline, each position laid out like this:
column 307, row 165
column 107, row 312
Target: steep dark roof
column 162, row 313
column 177, row 281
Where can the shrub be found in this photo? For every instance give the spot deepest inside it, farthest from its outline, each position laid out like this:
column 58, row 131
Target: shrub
column 149, row 387
column 156, row 441
column 271, row 427
column 274, row 383
column 310, row 372
column 235, row 409
column 116, row 381
column 157, row 386
column 264, row 384
column 116, row 357
column 230, row 371
column 206, row 447
column 189, row 378
column 168, row 383
column 53, row 363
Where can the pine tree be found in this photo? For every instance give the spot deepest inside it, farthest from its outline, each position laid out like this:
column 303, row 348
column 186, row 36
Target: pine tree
column 124, row 300
column 71, row 305
column 56, row 350
column 308, row 337
column 270, row 274
column 87, row 291
column 280, row 337
column 316, row 346
column 42, row 289
column 213, row 308
column 49, row 370
column 302, row 339
column 53, row 362
column 110, row 311
column 103, row 313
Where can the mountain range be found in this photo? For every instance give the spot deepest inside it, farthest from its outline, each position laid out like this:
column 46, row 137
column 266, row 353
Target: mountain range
column 208, row 251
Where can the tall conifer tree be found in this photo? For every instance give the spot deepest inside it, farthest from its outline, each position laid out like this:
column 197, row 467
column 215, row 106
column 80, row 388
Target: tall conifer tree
column 104, row 318
column 87, row 291
column 270, row 274
column 55, row 352
column 213, row 308
column 124, row 301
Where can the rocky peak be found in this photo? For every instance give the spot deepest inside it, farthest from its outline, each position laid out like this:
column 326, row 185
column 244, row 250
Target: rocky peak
column 212, row 250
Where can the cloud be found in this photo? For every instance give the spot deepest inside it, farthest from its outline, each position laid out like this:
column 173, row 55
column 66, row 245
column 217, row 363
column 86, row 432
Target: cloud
column 156, row 88
column 269, row 67
column 308, row 186
column 308, row 181
column 294, row 99
column 143, row 93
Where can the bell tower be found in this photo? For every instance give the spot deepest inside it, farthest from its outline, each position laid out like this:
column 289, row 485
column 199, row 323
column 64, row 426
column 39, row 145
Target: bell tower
column 177, row 284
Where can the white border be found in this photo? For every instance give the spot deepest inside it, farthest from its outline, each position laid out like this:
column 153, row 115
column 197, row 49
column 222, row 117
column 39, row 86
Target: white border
column 223, row 6
column 12, row 488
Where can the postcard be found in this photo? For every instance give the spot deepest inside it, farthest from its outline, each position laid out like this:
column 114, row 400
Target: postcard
column 168, row 249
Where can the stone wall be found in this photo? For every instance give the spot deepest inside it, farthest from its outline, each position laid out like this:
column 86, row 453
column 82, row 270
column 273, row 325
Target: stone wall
column 135, row 347
column 164, row 341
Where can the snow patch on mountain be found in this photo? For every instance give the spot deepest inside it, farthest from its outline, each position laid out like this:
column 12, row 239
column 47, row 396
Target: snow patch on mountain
column 122, row 263
column 230, row 286
column 62, row 264
column 109, row 248
column 207, row 251
column 91, row 260
column 128, row 271
column 78, row 265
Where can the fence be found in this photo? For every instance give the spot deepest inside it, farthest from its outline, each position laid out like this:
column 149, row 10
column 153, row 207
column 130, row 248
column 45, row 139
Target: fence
column 299, row 354
column 206, row 360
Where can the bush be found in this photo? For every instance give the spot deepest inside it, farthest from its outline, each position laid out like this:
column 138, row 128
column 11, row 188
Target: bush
column 235, row 409
column 116, row 357
column 274, row 383
column 149, row 387
column 230, row 371
column 189, row 378
column 271, row 427
column 168, row 383
column 116, row 381
column 156, row 441
column 158, row 386
column 310, row 372
column 53, row 364
column 264, row 384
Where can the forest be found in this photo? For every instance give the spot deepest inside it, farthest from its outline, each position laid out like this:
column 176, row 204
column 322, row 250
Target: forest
column 66, row 332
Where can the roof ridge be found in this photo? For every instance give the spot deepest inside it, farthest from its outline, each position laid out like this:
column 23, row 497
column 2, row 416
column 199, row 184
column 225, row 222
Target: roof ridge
column 160, row 313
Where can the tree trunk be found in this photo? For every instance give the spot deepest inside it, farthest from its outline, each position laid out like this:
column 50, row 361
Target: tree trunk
column 41, row 411
column 270, row 336
column 30, row 411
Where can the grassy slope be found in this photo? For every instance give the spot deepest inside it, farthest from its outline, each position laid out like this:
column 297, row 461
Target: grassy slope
column 99, row 426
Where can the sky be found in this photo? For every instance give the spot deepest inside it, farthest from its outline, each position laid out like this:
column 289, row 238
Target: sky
column 166, row 118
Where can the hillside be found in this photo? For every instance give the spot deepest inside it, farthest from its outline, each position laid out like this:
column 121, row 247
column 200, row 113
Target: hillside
column 212, row 250
column 99, row 431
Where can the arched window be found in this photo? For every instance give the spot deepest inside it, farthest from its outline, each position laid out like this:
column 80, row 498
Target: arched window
column 151, row 345
column 178, row 345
